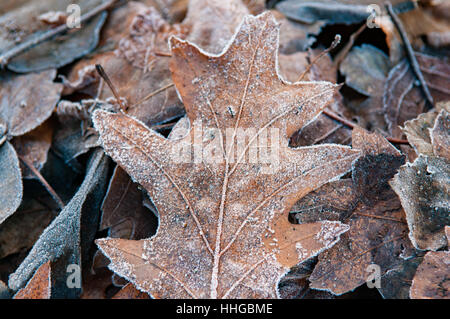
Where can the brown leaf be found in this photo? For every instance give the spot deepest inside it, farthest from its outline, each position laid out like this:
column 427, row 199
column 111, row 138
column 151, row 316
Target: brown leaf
column 212, row 23
column 130, row 292
column 403, row 100
column 34, row 147
column 39, row 286
column 213, row 209
column 147, row 38
column 440, row 135
column 123, row 211
column 24, row 106
column 377, row 232
column 431, row 280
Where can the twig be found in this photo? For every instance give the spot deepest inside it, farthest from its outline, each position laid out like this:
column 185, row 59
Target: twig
column 344, row 51
column 8, row 55
column 410, row 53
column 153, row 94
column 352, row 125
column 334, row 44
column 105, row 77
column 43, row 182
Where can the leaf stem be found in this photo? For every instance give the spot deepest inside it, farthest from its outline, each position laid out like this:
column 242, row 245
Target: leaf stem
column 41, row 178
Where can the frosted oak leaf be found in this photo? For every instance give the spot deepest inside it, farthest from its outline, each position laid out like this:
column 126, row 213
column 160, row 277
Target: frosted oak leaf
column 223, row 226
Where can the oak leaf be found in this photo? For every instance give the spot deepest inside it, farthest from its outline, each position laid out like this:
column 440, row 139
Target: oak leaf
column 223, row 227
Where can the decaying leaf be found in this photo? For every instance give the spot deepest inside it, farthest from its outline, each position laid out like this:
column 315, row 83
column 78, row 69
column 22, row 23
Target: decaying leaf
column 34, row 147
column 423, row 190
column 123, row 210
column 212, row 23
column 147, row 38
column 378, row 232
column 64, row 240
column 24, row 106
column 211, row 210
column 21, row 230
column 10, row 181
column 130, row 292
column 366, row 68
column 403, row 99
column 431, row 280
column 418, row 130
column 440, row 135
column 22, row 24
column 39, row 286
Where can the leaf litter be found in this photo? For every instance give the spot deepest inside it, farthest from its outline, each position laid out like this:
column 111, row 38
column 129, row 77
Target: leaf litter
column 310, row 221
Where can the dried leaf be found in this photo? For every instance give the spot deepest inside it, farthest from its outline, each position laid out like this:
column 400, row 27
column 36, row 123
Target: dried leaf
column 24, row 106
column 22, row 24
column 34, row 147
column 123, row 211
column 377, row 230
column 440, row 135
column 431, row 280
column 147, row 38
column 396, row 283
column 39, row 286
column 343, row 11
column 403, row 100
column 423, row 190
column 10, row 181
column 212, row 23
column 365, row 68
column 209, row 212
column 21, row 230
column 61, row 242
column 130, row 292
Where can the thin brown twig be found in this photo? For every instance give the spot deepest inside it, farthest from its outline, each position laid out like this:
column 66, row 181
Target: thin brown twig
column 344, row 51
column 153, row 94
column 8, row 55
column 410, row 53
column 41, row 178
column 108, row 81
column 352, row 125
column 334, row 44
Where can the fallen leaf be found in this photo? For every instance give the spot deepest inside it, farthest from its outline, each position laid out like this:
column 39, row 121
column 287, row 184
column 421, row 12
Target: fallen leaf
column 396, row 283
column 423, row 190
column 21, row 230
column 212, row 23
column 34, row 147
column 440, row 135
column 378, row 232
column 403, row 100
column 418, row 130
column 39, row 286
column 11, row 181
column 62, row 242
column 123, row 211
column 147, row 38
column 22, row 24
column 209, row 211
column 24, row 106
column 365, row 68
column 130, row 292
column 431, row 280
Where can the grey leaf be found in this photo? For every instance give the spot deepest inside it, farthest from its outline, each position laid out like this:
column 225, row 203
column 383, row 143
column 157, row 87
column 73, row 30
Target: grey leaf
column 10, row 181
column 62, row 241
